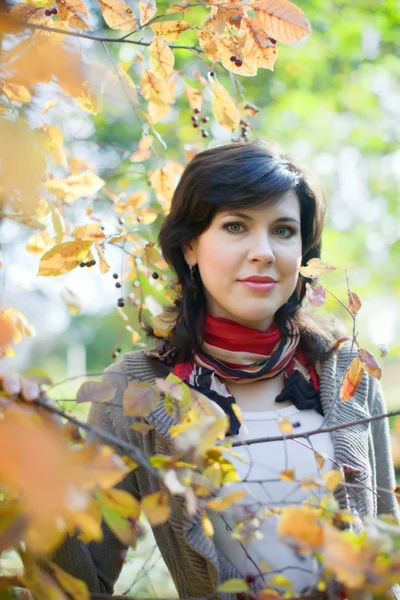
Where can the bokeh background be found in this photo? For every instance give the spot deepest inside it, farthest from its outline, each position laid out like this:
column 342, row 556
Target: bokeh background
column 333, row 102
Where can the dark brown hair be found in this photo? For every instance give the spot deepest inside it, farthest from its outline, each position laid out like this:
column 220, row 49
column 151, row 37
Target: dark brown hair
column 238, row 175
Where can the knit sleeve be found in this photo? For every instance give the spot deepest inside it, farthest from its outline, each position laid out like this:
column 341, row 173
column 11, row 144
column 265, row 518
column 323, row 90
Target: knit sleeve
column 385, row 476
column 99, row 564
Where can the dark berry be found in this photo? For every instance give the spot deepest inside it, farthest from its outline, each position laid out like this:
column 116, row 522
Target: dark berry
column 118, row 350
column 115, row 275
column 121, row 302
column 155, row 275
column 205, row 119
column 177, row 302
column 233, row 59
column 196, row 111
column 48, row 12
column 118, row 285
column 54, row 11
column 121, row 221
column 113, row 355
column 244, row 124
column 204, row 133
column 272, row 40
column 102, row 228
column 238, row 62
column 139, row 218
column 91, row 263
column 194, row 119
column 83, row 264
column 250, row 578
column 195, row 124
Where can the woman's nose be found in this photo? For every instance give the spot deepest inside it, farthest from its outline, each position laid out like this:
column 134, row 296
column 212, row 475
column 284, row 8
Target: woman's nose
column 261, row 249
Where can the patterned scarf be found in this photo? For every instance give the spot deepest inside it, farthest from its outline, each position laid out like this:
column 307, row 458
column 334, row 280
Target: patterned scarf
column 243, row 355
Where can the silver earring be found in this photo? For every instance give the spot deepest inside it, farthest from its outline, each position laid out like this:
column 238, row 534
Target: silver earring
column 191, row 267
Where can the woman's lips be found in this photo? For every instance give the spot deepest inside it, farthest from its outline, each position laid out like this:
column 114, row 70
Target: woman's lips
column 259, row 287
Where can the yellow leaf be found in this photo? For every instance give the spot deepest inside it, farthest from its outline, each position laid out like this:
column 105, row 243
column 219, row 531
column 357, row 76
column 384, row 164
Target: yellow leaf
column 15, row 92
column 165, row 179
column 301, row 524
column 208, row 43
column 147, row 10
column 49, row 104
column 58, row 224
column 352, row 380
column 281, row 581
column 182, row 7
column 224, row 108
column 207, row 525
column 75, row 588
column 162, row 58
column 156, row 508
column 233, row 586
column 148, row 216
column 54, row 138
column 28, row 13
column 170, row 30
column 123, row 502
column 154, row 89
column 285, row 425
column 315, row 268
column 63, row 258
column 220, row 504
column 92, row 231
column 36, row 244
column 332, row 479
column 284, row 21
column 87, row 99
column 150, row 254
column 118, row 15
column 104, row 266
column 195, row 98
column 160, row 327
column 257, row 49
column 343, row 558
column 143, row 152
column 142, row 427
column 71, row 299
column 73, row 12
column 158, row 111
column 288, row 475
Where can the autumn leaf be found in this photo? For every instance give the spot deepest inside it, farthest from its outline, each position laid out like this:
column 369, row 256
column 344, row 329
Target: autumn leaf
column 315, row 268
column 221, row 504
column 195, row 98
column 103, row 264
column 150, row 254
column 165, row 179
column 147, row 10
column 258, row 48
column 95, row 391
column 285, row 425
column 73, row 12
column 72, row 300
column 15, row 92
column 75, row 588
column 369, row 363
column 170, row 30
column 141, row 154
column 300, row 523
column 209, row 45
column 162, row 58
column 343, row 557
column 284, row 21
column 233, row 586
column 140, row 399
column 332, row 479
column 207, row 525
column 154, row 89
column 224, row 108
column 63, row 258
column 316, row 296
column 118, row 15
column 92, row 231
column 156, row 508
column 352, row 379
column 354, row 302
column 288, row 475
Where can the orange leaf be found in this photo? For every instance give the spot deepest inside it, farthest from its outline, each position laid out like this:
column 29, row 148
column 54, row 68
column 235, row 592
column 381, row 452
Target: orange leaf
column 147, row 9
column 63, row 258
column 284, row 21
column 140, row 399
column 354, row 302
column 73, row 11
column 118, row 15
column 369, row 363
column 352, row 379
column 170, row 30
column 156, row 508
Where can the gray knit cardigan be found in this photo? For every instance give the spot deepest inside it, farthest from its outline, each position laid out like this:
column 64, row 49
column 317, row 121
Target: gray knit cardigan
column 195, row 563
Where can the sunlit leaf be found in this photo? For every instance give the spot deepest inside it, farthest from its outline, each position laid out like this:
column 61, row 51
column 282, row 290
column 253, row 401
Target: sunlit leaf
column 354, row 302
column 207, row 525
column 95, row 391
column 352, row 379
column 316, row 296
column 118, row 15
column 15, row 92
column 284, row 21
column 195, row 98
column 147, row 10
column 332, row 479
column 233, row 586
column 162, row 58
column 143, row 152
column 156, row 508
column 140, row 399
column 169, row 30
column 288, row 475
column 74, row 12
column 63, row 258
column 369, row 363
column 315, row 268
column 220, row 504
column 224, row 108
column 301, row 523
column 76, row 589
column 285, row 425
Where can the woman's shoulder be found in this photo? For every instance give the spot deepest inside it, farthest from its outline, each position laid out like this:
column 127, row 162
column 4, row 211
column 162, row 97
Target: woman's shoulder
column 138, row 365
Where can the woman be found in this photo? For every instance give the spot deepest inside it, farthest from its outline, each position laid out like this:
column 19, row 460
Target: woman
column 243, row 220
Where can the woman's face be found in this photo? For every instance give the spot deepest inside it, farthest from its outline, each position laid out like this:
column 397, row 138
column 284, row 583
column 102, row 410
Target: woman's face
column 244, row 243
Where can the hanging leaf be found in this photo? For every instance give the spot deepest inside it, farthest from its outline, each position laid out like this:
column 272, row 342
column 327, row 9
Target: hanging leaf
column 283, row 20
column 92, row 231
column 224, row 108
column 207, row 525
column 140, row 399
column 156, row 508
column 95, row 391
column 143, row 152
column 285, row 425
column 165, row 179
column 354, row 302
column 233, row 586
column 315, row 268
column 369, row 363
column 170, row 30
column 221, row 504
column 288, row 475
column 352, row 379
column 118, row 15
column 316, row 296
column 209, row 45
column 74, row 13
column 195, row 98
column 147, row 10
column 75, row 588
column 258, row 49
column 162, row 58
column 104, row 266
column 63, row 258
column 155, row 89
column 332, row 479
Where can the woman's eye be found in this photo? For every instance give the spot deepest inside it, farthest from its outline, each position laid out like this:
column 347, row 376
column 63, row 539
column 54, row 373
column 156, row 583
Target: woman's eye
column 233, row 227
column 287, row 231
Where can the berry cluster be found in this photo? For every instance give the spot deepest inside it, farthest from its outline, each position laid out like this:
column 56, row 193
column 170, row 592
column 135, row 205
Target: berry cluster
column 115, row 353
column 50, row 11
column 89, row 263
column 244, row 129
column 195, row 121
column 238, row 61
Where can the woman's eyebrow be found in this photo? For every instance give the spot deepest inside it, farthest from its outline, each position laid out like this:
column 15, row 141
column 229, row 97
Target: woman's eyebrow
column 248, row 218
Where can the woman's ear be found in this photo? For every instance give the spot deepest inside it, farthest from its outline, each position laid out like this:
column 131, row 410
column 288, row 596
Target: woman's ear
column 189, row 253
